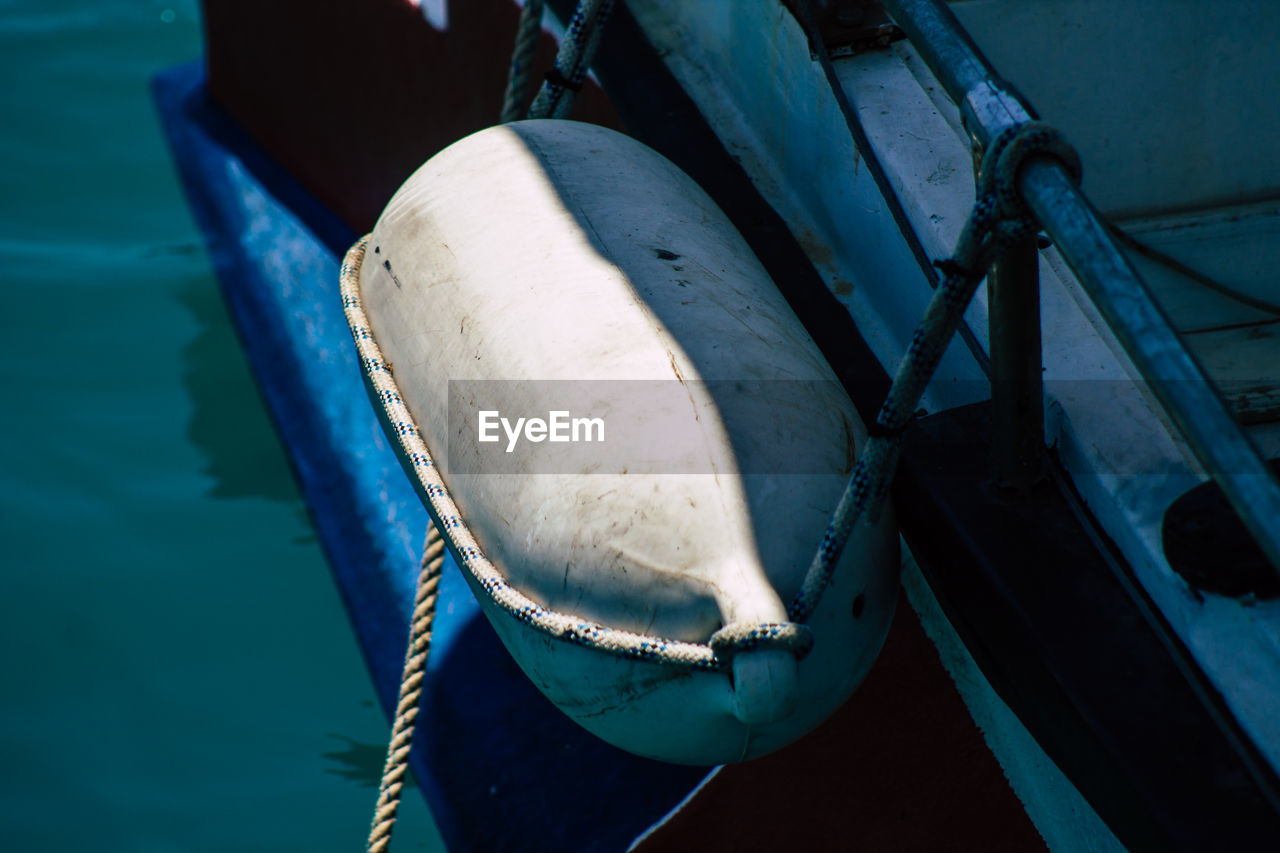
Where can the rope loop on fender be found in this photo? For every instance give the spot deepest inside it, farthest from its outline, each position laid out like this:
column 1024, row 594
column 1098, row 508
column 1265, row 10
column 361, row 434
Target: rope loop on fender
column 738, row 637
column 713, row 656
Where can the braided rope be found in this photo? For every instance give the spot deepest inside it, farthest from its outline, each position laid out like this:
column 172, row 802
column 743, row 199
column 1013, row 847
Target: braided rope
column 999, row 217
column 527, row 33
column 415, row 665
column 564, row 103
column 577, row 50
column 573, row 629
column 738, row 637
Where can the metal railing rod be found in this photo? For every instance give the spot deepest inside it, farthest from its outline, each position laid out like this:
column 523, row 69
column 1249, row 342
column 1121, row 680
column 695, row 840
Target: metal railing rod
column 1175, row 377
column 1017, row 383
column 986, row 105
column 1173, row 374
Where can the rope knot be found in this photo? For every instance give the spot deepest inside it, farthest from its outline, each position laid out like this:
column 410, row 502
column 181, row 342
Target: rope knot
column 998, row 175
column 738, row 637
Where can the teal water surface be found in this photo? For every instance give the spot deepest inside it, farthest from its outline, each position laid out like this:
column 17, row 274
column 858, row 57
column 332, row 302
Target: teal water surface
column 178, row 672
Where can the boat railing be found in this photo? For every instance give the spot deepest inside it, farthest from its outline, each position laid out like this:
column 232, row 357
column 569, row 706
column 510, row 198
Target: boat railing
column 989, row 107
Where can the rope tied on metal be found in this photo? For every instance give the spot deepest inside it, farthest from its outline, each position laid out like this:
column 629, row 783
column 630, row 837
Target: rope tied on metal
column 999, row 217
column 415, row 665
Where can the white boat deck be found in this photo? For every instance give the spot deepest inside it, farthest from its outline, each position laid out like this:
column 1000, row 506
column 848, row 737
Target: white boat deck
column 1237, row 339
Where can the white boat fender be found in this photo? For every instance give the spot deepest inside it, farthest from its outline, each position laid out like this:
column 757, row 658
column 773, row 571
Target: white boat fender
column 644, row 587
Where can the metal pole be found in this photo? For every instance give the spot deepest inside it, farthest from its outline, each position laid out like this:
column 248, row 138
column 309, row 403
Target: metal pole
column 1017, row 386
column 986, row 103
column 1176, row 379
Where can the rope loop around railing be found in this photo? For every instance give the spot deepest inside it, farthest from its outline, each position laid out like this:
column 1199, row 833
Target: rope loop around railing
column 998, row 218
column 998, row 175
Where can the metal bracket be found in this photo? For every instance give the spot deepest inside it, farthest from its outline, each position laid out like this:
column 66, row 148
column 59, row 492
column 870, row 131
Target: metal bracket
column 1017, row 386
column 847, row 27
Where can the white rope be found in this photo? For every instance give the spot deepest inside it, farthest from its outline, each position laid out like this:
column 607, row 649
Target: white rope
column 415, row 667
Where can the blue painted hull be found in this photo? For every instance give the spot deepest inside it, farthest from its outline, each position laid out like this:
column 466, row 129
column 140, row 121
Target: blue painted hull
column 499, row 765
